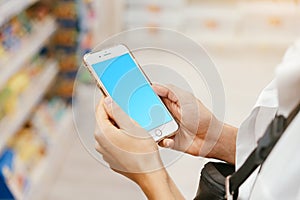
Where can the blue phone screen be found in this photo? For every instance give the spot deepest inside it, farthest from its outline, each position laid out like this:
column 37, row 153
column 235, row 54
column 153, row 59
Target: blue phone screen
column 128, row 87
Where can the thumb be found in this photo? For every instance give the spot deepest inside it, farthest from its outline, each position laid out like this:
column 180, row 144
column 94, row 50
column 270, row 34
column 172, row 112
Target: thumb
column 167, row 143
column 116, row 113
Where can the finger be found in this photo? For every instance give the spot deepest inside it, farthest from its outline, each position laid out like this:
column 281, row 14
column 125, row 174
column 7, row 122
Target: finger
column 164, row 92
column 115, row 112
column 98, row 148
column 102, row 117
column 101, row 139
column 105, row 132
column 169, row 98
column 167, row 143
column 160, row 90
column 173, row 108
column 107, row 142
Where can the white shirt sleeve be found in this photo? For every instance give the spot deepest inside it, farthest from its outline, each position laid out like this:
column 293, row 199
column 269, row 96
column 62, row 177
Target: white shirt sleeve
column 282, row 94
column 252, row 129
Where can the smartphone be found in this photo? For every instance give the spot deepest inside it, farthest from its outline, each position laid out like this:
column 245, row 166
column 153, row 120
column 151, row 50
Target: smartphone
column 118, row 75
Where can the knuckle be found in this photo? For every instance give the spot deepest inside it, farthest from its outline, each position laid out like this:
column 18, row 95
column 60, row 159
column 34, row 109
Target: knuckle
column 97, row 148
column 97, row 137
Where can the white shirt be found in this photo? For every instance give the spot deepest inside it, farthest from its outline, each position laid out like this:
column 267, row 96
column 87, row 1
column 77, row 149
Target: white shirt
column 279, row 177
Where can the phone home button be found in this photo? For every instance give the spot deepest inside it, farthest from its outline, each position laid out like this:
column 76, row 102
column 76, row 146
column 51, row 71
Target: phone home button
column 158, row 132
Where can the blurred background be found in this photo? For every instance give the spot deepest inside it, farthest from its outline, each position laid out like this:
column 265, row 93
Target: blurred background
column 41, row 47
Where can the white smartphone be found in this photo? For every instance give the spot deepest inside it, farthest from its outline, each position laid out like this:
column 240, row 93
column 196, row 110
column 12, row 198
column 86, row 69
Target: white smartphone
column 119, row 75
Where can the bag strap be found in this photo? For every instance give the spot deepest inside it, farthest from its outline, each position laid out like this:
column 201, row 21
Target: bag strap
column 265, row 144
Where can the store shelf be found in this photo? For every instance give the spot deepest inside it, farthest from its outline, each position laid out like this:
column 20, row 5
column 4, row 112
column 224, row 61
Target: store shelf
column 41, row 33
column 10, row 8
column 45, row 172
column 10, row 124
column 230, row 41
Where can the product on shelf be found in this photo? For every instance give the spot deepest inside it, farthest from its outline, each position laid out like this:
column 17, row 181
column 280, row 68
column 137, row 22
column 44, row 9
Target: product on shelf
column 38, row 11
column 17, row 84
column 64, row 86
column 23, row 153
column 66, row 37
column 47, row 116
column 270, row 19
column 72, row 40
column 89, row 23
column 211, row 20
column 68, row 62
column 15, row 31
column 4, row 95
column 168, row 13
column 31, row 145
column 27, row 148
column 66, row 10
column 12, row 32
column 2, row 50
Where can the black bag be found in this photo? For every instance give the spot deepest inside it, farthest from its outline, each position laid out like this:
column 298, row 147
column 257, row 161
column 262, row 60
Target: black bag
column 212, row 182
column 219, row 181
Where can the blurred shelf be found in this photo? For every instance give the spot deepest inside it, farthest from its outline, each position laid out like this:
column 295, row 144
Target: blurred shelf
column 45, row 172
column 156, row 4
column 141, row 18
column 41, row 33
column 10, row 8
column 12, row 123
column 255, row 41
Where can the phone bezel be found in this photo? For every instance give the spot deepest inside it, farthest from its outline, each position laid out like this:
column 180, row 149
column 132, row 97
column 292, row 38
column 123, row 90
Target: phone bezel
column 167, row 129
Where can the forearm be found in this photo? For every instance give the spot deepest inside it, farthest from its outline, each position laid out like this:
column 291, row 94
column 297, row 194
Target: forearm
column 225, row 147
column 174, row 189
column 158, row 185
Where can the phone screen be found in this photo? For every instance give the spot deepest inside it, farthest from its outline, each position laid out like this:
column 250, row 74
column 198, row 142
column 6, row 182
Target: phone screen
column 130, row 89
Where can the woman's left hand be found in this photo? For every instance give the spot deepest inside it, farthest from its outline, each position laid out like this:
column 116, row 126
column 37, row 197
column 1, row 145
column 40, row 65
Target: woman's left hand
column 131, row 151
column 125, row 146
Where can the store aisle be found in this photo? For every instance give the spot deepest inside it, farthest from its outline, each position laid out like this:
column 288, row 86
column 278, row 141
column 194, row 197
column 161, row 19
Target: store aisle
column 42, row 42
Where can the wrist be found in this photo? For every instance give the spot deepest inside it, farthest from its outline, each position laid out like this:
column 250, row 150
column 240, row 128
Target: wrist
column 225, row 146
column 156, row 185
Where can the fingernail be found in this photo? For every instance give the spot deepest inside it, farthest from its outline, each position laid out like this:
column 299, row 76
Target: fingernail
column 108, row 100
column 167, row 143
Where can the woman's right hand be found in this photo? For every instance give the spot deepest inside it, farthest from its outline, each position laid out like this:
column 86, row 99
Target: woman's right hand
column 200, row 133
